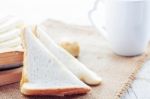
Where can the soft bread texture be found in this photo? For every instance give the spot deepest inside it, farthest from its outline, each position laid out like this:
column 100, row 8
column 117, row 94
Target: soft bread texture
column 43, row 74
column 10, row 35
column 10, row 30
column 10, row 24
column 76, row 67
column 11, row 43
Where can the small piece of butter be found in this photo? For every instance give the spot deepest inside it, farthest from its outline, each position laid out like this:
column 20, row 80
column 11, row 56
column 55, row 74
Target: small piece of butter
column 72, row 47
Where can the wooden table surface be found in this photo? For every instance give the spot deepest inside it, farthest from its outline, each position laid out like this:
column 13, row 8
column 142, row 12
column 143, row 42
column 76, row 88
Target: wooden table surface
column 140, row 88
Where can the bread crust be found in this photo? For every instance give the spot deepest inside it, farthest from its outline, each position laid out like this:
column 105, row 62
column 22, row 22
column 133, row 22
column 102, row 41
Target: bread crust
column 24, row 77
column 55, row 92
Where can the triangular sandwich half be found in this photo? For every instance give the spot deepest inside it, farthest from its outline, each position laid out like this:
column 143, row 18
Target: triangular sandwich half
column 76, row 67
column 44, row 74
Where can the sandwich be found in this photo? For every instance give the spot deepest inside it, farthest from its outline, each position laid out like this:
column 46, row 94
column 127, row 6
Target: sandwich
column 43, row 73
column 76, row 67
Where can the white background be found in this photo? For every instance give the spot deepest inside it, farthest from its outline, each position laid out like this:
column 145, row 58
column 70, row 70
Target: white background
column 34, row 11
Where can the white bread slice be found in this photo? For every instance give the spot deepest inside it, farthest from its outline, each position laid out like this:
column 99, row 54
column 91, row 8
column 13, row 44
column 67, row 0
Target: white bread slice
column 76, row 67
column 11, row 43
column 11, row 23
column 43, row 74
column 10, row 35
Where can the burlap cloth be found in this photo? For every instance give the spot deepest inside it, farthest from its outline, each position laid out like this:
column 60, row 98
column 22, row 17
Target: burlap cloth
column 117, row 72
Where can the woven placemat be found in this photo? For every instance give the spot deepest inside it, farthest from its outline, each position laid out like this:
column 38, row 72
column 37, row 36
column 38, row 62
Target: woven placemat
column 117, row 72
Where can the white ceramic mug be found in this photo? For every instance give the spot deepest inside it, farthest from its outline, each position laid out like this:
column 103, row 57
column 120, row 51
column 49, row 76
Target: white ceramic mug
column 123, row 23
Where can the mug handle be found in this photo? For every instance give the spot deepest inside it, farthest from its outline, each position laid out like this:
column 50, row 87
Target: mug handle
column 102, row 28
